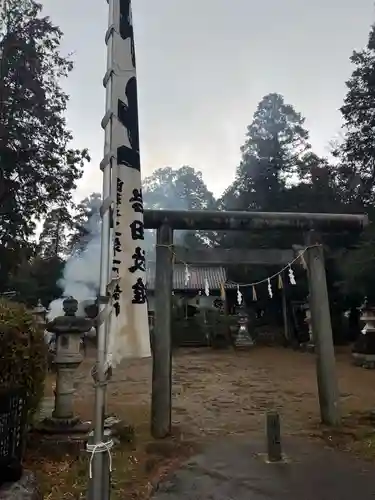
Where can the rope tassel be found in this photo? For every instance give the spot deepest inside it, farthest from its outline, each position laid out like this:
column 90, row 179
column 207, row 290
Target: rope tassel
column 280, row 282
column 187, row 275
column 292, row 279
column 269, row 288
column 239, row 296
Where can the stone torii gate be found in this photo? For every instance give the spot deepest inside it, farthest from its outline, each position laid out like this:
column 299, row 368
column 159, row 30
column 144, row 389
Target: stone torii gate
column 310, row 224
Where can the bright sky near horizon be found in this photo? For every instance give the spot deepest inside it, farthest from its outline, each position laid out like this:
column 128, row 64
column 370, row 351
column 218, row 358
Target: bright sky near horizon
column 203, row 66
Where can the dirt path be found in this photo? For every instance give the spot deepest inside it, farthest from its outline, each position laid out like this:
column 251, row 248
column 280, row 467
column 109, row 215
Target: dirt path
column 215, row 394
column 228, row 392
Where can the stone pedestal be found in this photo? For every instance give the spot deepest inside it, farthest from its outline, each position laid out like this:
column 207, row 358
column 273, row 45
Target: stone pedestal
column 68, row 359
column 26, row 488
column 364, row 349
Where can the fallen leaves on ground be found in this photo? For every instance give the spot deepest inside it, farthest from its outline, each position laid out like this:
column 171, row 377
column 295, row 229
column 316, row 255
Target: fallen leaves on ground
column 216, row 394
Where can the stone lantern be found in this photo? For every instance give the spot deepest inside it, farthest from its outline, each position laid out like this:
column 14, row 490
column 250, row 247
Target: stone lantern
column 364, row 348
column 310, row 343
column 39, row 312
column 68, row 330
column 243, row 339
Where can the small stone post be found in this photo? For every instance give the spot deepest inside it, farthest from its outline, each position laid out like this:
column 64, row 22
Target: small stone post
column 273, row 432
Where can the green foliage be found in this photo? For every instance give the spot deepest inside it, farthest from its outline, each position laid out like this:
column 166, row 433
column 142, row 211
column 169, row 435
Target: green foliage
column 37, row 278
column 357, row 152
column 38, row 167
column 356, row 171
column 23, row 353
column 276, row 142
column 357, row 268
column 53, row 238
column 181, row 189
column 177, row 189
column 37, row 275
column 86, row 222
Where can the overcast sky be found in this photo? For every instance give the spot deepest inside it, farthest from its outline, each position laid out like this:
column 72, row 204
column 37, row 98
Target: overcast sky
column 203, row 65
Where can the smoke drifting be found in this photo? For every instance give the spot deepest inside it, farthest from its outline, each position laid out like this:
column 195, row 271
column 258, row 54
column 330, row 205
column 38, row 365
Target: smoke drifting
column 82, row 270
column 81, row 273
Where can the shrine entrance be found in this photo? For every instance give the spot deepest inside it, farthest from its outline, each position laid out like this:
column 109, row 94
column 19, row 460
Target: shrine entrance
column 222, row 257
column 310, row 225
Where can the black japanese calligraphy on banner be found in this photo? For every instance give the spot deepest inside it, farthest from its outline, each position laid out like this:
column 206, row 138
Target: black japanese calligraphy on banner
column 117, row 246
column 139, row 260
column 117, row 308
column 118, row 215
column 137, row 229
column 120, row 185
column 137, row 201
column 116, row 296
column 128, row 117
column 116, row 267
column 139, row 292
column 126, row 26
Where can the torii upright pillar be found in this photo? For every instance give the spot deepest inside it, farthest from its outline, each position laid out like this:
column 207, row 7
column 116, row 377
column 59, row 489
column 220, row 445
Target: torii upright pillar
column 161, row 399
column 322, row 333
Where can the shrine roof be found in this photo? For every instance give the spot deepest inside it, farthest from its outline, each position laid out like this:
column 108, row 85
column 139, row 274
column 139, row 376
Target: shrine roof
column 215, row 275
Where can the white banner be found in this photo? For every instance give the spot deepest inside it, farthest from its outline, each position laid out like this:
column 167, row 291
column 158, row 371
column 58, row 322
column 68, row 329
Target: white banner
column 128, row 325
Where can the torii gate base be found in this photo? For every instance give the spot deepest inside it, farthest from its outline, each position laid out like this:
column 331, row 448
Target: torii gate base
column 166, row 221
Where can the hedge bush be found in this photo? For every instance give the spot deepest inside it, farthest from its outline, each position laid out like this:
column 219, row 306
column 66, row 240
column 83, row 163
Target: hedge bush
column 23, row 353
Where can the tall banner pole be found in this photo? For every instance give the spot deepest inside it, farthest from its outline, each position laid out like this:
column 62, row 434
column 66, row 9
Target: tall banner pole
column 128, row 331
column 123, row 330
column 99, row 476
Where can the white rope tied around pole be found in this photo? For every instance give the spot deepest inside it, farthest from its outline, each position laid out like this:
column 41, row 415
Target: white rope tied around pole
column 102, row 447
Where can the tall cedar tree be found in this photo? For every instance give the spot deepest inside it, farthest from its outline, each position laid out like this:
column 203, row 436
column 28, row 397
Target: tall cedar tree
column 53, row 240
column 275, row 144
column 178, row 189
column 38, row 169
column 357, row 153
column 357, row 167
column 86, row 223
